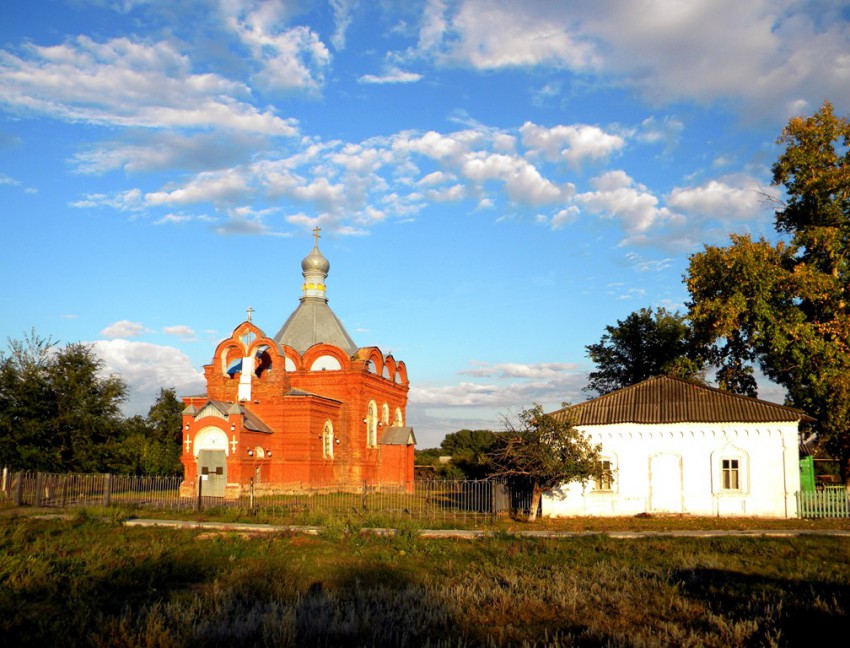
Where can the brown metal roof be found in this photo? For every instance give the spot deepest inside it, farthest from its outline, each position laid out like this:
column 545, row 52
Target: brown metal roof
column 672, row 400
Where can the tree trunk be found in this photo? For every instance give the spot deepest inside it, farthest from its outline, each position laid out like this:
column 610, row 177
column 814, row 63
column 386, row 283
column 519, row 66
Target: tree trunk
column 536, row 493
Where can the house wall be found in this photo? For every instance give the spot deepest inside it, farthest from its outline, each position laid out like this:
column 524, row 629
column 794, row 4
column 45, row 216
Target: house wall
column 678, row 468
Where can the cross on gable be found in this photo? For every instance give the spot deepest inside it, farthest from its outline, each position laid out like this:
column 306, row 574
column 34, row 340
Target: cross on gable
column 250, row 312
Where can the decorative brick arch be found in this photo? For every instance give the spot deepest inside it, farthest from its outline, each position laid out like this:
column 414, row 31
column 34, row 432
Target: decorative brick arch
column 318, row 352
column 226, row 354
column 389, row 367
column 373, row 358
column 401, row 374
column 292, row 359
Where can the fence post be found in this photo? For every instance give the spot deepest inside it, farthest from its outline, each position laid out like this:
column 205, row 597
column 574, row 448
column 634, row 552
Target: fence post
column 364, row 495
column 251, row 501
column 200, row 492
column 19, row 489
column 39, row 489
column 6, row 484
column 107, row 490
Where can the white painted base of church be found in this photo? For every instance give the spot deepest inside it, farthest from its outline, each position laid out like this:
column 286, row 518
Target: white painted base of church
column 728, row 469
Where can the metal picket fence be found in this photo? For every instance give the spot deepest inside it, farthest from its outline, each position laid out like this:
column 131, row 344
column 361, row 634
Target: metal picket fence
column 425, row 500
column 829, row 502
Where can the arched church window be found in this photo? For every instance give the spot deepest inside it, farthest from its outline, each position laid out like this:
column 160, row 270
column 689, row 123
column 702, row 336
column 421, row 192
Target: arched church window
column 326, row 363
column 264, row 360
column 372, row 425
column 386, row 373
column 373, row 368
column 328, row 441
column 398, row 420
column 385, row 414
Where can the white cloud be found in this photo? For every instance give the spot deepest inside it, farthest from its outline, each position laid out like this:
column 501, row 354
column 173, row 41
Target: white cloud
column 511, row 385
column 769, row 56
column 148, row 367
column 123, row 329
column 155, row 151
column 488, row 34
column 130, row 200
column 433, row 25
column 342, row 21
column 520, row 370
column 572, row 144
column 185, row 333
column 290, row 58
column 219, row 187
column 125, row 83
column 664, row 131
column 731, row 198
column 390, row 75
column 617, row 196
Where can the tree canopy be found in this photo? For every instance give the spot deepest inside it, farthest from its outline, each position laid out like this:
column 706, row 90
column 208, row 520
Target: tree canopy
column 544, row 451
column 646, row 343
column 786, row 306
column 58, row 412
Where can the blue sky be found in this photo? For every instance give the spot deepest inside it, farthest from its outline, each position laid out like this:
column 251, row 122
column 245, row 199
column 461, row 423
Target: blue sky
column 495, row 181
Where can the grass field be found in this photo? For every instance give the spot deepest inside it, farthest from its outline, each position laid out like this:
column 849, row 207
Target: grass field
column 85, row 581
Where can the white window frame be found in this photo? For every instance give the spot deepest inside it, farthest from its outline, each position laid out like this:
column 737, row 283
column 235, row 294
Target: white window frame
column 730, row 471
column 328, row 440
column 372, row 425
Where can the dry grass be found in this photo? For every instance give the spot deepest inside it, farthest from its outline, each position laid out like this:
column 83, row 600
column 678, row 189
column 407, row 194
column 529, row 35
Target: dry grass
column 88, row 582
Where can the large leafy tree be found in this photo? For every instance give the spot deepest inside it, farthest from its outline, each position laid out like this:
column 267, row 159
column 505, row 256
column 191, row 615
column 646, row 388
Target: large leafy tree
column 786, row 306
column 647, row 343
column 544, row 451
column 58, row 412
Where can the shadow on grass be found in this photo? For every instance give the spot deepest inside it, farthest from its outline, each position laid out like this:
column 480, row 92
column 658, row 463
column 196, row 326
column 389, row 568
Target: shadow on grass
column 82, row 583
column 793, row 611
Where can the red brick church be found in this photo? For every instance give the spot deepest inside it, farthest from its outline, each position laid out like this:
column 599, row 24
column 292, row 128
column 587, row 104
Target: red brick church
column 304, row 409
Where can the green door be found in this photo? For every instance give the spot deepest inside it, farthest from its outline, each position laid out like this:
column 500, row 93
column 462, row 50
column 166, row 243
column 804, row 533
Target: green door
column 212, row 469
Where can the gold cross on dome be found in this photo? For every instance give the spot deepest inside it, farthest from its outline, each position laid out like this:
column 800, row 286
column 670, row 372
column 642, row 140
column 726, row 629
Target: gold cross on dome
column 250, row 312
column 316, row 231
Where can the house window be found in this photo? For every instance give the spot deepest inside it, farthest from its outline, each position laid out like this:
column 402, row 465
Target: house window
column 730, row 474
column 605, row 480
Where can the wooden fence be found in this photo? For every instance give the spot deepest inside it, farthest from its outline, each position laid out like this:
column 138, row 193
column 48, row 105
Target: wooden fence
column 427, row 500
column 829, row 502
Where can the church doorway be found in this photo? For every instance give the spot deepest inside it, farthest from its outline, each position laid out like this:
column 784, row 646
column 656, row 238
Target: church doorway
column 212, row 469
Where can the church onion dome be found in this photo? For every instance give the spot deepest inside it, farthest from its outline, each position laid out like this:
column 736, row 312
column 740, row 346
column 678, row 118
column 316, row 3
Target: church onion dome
column 315, row 261
column 313, row 322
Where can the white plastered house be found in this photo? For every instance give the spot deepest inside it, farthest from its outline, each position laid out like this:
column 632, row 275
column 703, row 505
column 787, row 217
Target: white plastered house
column 672, row 446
